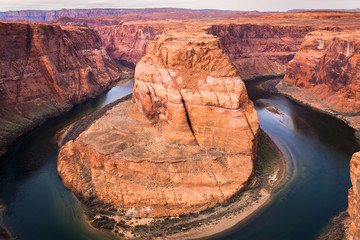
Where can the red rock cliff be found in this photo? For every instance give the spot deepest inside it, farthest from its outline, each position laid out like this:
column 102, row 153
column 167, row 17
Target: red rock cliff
column 128, row 41
column 354, row 198
column 257, row 46
column 46, row 69
column 190, row 94
column 325, row 73
column 260, row 49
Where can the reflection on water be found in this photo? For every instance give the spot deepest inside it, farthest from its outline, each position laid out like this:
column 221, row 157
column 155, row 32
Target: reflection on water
column 38, row 206
column 319, row 148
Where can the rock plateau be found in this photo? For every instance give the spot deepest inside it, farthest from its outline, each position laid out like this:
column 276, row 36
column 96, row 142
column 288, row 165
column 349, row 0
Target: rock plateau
column 186, row 143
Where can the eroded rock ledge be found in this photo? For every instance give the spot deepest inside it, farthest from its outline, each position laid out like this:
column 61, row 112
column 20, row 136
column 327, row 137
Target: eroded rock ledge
column 189, row 147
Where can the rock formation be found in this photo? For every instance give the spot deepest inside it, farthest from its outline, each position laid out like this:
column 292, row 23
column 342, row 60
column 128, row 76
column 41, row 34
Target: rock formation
column 158, row 156
column 45, row 70
column 354, row 198
column 257, row 46
column 325, row 73
column 191, row 86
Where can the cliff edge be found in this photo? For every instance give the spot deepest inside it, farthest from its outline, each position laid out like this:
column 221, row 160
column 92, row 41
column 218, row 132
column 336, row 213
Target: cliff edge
column 45, row 70
column 325, row 74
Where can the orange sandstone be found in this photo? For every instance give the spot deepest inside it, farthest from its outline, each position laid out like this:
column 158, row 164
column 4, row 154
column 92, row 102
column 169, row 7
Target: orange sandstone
column 45, row 70
column 354, row 198
column 189, row 147
column 190, row 85
column 325, row 74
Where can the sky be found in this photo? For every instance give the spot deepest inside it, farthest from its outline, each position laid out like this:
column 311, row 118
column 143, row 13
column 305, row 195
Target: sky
column 246, row 5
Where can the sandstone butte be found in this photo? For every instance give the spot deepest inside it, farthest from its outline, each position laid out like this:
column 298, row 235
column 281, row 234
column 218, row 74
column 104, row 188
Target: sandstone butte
column 45, row 70
column 185, row 143
column 325, row 74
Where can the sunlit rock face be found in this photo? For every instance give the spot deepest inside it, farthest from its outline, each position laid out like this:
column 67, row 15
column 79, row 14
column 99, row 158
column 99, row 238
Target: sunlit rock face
column 326, row 73
column 354, row 198
column 188, row 84
column 185, row 143
column 128, row 41
column 45, row 70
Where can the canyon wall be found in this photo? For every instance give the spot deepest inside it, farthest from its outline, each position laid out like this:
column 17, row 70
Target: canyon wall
column 257, row 46
column 325, row 74
column 254, row 49
column 260, row 49
column 128, row 41
column 186, row 143
column 45, row 70
column 354, row 198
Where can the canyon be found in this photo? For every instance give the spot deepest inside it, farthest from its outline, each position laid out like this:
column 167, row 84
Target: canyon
column 257, row 46
column 324, row 74
column 187, row 140
column 46, row 70
column 190, row 122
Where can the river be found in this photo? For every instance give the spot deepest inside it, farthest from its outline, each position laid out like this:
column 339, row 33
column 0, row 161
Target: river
column 38, row 206
column 319, row 147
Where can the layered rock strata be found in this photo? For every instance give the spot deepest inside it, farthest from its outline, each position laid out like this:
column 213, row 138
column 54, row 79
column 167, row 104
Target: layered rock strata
column 191, row 86
column 45, row 70
column 128, row 41
column 257, row 46
column 354, row 198
column 260, row 49
column 186, row 144
column 325, row 73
